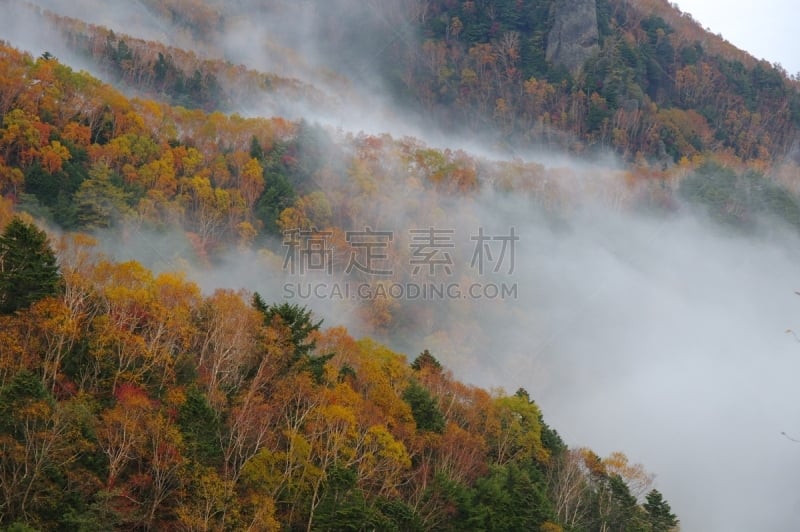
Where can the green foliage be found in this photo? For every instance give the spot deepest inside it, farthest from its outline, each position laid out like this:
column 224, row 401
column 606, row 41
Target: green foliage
column 713, row 186
column 296, row 317
column 343, row 506
column 96, row 513
column 28, row 267
column 198, row 89
column 256, row 151
column 453, row 497
column 625, row 513
column 316, row 366
column 300, row 323
column 55, row 190
column 200, row 427
column 659, row 513
column 29, row 204
column 690, row 55
column 510, row 498
column 23, row 390
column 278, row 195
column 18, row 526
column 598, row 114
column 426, row 360
column 604, row 16
column 310, row 151
column 739, row 200
column 550, row 438
column 100, row 203
column 659, row 59
column 279, row 192
column 424, row 408
column 397, row 515
column 346, row 372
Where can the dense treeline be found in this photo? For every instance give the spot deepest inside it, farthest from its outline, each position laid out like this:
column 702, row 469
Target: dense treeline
column 177, row 76
column 131, row 401
column 79, row 154
column 658, row 87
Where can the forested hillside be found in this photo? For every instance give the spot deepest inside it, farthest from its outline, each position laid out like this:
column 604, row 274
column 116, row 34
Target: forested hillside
column 650, row 83
column 653, row 85
column 132, row 399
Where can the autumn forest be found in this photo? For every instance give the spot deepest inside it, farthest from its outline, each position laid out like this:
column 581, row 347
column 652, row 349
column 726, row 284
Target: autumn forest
column 137, row 394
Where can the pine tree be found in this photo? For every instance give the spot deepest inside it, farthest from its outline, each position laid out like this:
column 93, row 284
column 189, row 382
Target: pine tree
column 301, row 325
column 424, row 408
column 28, row 267
column 659, row 514
column 98, row 201
column 426, row 360
column 297, row 318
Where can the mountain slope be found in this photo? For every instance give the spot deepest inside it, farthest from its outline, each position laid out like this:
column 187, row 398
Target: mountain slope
column 615, row 252
column 649, row 84
column 653, row 85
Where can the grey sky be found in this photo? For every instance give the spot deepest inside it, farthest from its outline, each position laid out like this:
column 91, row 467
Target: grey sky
column 766, row 29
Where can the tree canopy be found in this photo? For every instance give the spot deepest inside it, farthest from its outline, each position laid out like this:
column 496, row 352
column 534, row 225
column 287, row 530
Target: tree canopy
column 28, row 266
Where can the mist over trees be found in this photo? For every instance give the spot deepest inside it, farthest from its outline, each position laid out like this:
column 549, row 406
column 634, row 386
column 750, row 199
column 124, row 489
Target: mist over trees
column 132, row 400
column 154, row 376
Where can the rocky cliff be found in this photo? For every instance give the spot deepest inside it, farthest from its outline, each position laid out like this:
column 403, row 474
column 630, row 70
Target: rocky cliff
column 574, row 36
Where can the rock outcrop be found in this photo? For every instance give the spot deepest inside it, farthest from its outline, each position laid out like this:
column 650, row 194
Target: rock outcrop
column 574, row 36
